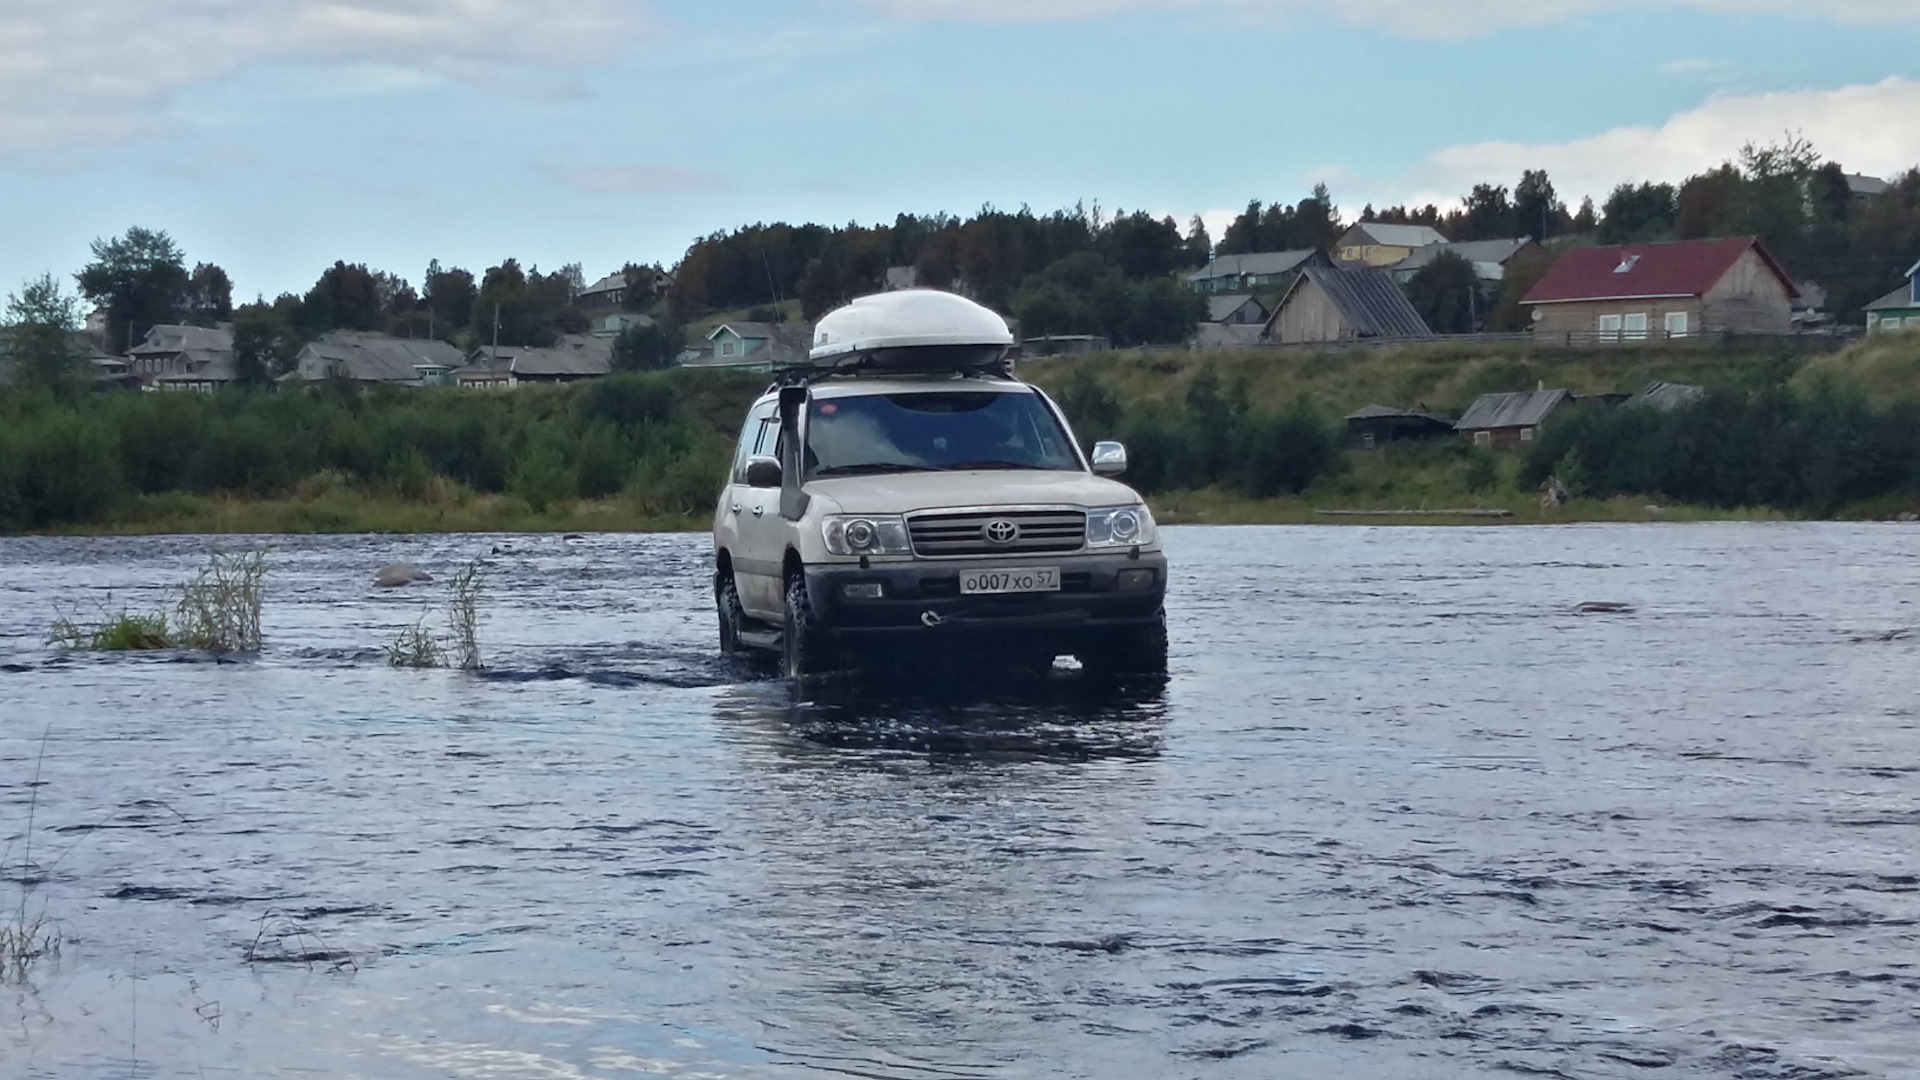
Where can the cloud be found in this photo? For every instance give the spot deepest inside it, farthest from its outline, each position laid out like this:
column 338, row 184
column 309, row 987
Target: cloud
column 1701, row 68
column 1410, row 18
column 93, row 72
column 1870, row 128
column 642, row 180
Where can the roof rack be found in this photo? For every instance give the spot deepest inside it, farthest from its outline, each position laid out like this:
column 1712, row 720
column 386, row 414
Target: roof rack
column 998, row 366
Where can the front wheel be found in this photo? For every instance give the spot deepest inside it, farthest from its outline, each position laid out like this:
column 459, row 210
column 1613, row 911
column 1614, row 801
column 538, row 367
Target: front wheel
column 805, row 648
column 1135, row 650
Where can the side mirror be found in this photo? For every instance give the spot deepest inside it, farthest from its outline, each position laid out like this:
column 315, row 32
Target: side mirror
column 763, row 472
column 1109, row 458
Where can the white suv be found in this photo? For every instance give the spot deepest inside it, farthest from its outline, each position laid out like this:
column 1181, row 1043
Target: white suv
column 904, row 490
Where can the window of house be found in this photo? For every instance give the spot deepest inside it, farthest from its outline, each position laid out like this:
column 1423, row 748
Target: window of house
column 1526, row 434
column 1676, row 324
column 1609, row 328
column 728, row 348
column 1636, row 326
column 1483, row 438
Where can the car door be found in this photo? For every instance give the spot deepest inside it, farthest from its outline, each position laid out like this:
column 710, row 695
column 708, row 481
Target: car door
column 753, row 519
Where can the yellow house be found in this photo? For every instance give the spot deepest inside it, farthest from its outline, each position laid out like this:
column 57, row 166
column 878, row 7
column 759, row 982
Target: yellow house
column 1376, row 244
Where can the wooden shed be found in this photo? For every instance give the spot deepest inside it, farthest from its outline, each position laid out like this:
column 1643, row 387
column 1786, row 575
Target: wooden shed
column 1510, row 421
column 1333, row 302
column 1377, row 425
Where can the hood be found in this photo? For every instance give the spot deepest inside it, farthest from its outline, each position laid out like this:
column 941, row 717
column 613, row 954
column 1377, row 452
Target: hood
column 906, row 493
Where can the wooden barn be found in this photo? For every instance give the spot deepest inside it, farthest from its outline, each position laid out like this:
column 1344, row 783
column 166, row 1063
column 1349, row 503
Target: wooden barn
column 1333, row 302
column 1638, row 292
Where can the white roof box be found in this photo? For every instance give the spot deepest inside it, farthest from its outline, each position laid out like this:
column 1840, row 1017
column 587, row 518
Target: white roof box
column 912, row 328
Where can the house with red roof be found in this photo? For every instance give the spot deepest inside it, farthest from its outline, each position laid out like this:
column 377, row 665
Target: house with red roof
column 1638, row 292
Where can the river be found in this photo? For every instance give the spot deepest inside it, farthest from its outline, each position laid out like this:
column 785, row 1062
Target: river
column 1399, row 811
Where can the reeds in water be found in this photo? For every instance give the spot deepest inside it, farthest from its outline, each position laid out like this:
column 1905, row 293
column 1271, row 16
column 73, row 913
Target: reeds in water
column 219, row 611
column 417, row 647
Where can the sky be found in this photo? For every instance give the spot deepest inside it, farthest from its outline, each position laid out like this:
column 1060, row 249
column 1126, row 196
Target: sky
column 274, row 137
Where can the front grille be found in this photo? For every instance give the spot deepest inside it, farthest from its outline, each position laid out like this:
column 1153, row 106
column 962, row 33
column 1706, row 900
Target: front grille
column 1042, row 532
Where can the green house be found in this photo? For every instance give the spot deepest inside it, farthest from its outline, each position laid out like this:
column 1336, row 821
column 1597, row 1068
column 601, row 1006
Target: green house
column 1899, row 309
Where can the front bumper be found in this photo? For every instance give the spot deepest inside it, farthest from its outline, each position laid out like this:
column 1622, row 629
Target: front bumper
column 923, row 597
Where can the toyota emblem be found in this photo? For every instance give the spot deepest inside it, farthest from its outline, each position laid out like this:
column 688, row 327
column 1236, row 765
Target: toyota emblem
column 1002, row 532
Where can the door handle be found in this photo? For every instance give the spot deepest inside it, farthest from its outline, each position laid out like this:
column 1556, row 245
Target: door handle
column 759, row 510
column 736, row 508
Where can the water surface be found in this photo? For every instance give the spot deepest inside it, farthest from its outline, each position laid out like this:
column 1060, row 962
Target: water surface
column 1398, row 812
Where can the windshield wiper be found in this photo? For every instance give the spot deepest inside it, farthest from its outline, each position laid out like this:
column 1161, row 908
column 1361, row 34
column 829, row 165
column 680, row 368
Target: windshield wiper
column 968, row 465
column 871, row 467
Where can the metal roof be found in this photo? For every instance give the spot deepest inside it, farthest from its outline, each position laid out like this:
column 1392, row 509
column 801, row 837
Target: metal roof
column 1474, row 251
column 167, row 339
column 1219, row 307
column 1407, row 236
column 1528, row 408
column 1644, row 271
column 577, row 355
column 1254, row 264
column 1365, row 296
column 1666, row 396
column 1898, row 300
column 1380, row 412
column 365, row 357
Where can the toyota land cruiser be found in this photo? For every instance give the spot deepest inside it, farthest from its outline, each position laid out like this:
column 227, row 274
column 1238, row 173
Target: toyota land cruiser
column 903, row 491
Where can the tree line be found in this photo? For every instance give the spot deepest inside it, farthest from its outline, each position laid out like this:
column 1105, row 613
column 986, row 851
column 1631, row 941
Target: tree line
column 660, row 438
column 1813, row 451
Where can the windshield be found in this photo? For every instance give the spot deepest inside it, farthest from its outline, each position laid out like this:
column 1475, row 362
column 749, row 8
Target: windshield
column 934, row 432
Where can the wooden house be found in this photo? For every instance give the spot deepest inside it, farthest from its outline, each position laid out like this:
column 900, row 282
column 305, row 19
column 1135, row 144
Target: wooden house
column 1899, row 309
column 1265, row 272
column 1638, row 292
column 1510, row 421
column 1378, row 244
column 1331, row 302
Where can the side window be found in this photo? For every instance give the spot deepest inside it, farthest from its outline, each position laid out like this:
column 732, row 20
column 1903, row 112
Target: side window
column 754, row 434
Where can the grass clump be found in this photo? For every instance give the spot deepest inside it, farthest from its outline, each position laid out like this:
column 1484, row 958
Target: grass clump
column 25, row 938
column 115, row 631
column 417, row 647
column 218, row 611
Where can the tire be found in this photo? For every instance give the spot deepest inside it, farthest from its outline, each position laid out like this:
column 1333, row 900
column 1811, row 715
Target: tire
column 732, row 616
column 1136, row 650
column 805, row 648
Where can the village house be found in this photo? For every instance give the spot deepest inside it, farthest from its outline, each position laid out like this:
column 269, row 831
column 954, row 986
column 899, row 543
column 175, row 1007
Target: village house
column 1899, row 309
column 1510, row 421
column 612, row 326
column 1374, row 426
column 573, row 358
column 1377, row 244
column 1489, row 258
column 1233, row 322
column 367, row 359
column 1333, row 302
column 1263, row 271
column 756, row 345
column 608, row 292
column 1663, row 291
column 191, row 350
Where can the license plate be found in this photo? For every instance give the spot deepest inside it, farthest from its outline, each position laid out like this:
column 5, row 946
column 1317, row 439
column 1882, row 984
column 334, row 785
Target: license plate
column 1025, row 580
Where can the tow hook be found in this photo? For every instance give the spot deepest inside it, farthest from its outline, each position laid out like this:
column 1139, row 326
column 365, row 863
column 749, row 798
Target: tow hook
column 931, row 618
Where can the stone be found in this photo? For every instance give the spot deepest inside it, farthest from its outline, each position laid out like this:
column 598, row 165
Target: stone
column 395, row 575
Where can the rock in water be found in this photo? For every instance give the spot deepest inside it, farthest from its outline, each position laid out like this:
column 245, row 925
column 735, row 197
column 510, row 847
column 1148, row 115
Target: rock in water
column 394, row 575
column 1604, row 607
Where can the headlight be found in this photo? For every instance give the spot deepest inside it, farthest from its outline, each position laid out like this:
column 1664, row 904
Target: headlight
column 848, row 535
column 1119, row 526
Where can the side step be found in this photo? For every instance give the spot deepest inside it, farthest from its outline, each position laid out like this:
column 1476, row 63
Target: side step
column 763, row 640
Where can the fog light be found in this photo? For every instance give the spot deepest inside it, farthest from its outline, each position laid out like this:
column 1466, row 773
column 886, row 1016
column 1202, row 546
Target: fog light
column 1134, row 580
column 868, row 590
